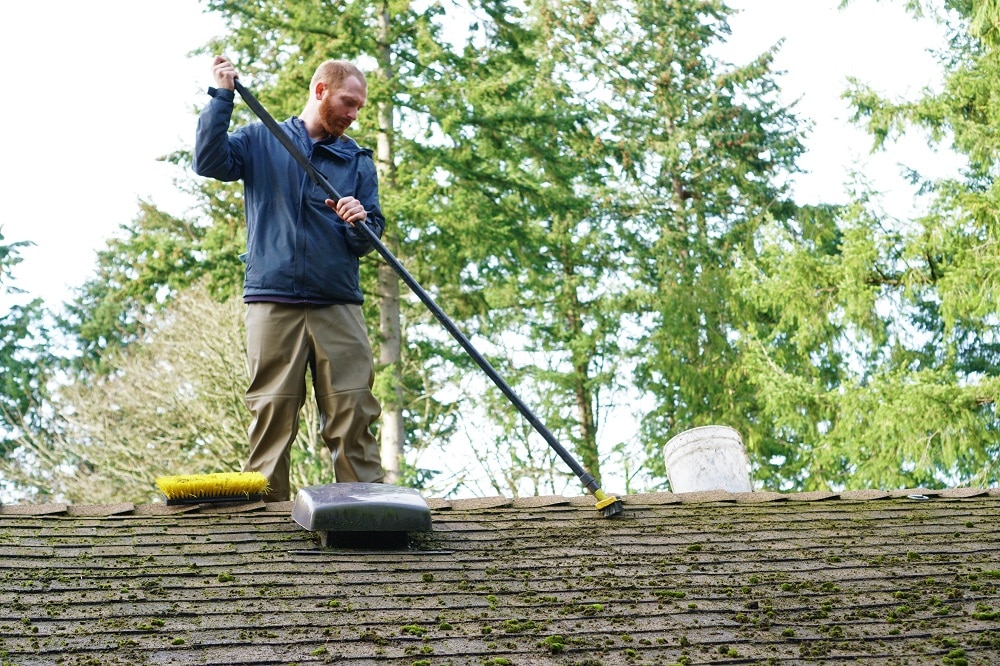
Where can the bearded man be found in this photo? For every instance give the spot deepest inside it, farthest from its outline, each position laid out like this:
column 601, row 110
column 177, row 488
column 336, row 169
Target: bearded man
column 302, row 281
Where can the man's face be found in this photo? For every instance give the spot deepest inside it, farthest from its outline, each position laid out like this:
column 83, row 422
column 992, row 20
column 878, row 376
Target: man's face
column 339, row 107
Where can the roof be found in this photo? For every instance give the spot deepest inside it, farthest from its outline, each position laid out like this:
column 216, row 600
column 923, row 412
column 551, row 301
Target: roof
column 910, row 577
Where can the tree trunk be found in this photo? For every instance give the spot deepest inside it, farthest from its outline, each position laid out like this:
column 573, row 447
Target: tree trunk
column 586, row 447
column 390, row 345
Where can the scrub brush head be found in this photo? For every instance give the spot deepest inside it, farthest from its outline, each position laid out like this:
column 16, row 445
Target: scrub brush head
column 609, row 505
column 220, row 487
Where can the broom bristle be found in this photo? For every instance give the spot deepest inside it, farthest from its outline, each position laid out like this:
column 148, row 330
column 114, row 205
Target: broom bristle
column 613, row 509
column 209, row 486
column 608, row 505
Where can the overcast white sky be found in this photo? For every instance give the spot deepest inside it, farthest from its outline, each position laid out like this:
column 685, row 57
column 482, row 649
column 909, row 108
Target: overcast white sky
column 88, row 111
column 95, row 92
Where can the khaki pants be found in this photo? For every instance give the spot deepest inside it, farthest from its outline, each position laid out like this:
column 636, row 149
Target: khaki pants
column 332, row 342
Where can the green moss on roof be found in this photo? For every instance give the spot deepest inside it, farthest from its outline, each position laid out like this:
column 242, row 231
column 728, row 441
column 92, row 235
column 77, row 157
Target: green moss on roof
column 876, row 580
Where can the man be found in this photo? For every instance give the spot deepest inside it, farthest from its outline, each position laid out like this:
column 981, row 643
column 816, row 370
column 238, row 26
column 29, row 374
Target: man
column 302, row 286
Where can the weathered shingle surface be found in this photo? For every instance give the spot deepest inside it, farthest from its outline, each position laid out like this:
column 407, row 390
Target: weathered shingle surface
column 709, row 579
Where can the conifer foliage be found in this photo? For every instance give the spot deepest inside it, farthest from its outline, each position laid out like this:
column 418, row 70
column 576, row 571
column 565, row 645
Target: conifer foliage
column 605, row 207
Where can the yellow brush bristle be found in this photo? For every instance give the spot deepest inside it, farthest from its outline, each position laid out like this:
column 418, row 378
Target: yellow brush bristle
column 223, row 484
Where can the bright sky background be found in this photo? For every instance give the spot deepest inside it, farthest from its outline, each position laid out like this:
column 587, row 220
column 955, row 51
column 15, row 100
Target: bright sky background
column 88, row 111
column 97, row 91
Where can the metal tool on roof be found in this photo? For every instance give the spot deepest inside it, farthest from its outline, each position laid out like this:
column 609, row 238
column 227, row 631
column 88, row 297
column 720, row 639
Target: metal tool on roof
column 362, row 515
column 608, row 505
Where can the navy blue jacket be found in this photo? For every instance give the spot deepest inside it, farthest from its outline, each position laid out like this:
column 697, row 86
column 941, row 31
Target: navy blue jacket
column 298, row 249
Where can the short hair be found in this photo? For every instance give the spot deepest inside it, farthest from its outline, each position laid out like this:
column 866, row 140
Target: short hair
column 334, row 72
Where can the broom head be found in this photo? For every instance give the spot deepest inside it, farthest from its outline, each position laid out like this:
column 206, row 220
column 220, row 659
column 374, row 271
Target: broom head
column 221, row 487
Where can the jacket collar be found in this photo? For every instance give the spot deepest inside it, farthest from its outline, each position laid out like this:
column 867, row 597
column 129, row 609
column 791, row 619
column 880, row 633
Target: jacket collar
column 343, row 147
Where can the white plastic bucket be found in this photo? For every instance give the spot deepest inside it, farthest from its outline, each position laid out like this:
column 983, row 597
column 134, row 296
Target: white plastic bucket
column 707, row 458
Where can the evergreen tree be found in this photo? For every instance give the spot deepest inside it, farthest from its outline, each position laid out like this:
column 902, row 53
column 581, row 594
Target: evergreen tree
column 925, row 413
column 882, row 361
column 26, row 363
column 705, row 151
column 521, row 204
column 152, row 260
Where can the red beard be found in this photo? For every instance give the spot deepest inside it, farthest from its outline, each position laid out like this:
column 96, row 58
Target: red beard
column 334, row 123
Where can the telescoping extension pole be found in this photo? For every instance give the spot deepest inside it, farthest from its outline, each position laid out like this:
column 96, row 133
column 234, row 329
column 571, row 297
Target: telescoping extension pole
column 608, row 505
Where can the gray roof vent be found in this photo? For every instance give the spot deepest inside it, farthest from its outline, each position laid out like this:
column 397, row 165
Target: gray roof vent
column 361, row 515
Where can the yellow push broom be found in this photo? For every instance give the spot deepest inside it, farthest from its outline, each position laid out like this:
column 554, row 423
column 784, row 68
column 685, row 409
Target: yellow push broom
column 207, row 488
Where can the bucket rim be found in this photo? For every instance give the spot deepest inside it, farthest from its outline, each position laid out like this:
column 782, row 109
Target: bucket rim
column 724, row 433
column 697, row 429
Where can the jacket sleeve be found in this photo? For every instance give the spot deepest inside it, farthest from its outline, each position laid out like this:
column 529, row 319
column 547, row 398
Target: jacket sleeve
column 217, row 154
column 367, row 194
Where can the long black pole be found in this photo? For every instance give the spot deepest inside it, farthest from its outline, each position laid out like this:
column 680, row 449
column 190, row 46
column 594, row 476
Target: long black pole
column 585, row 477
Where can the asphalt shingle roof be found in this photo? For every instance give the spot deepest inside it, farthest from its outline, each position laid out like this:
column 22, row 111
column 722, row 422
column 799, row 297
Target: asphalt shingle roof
column 911, row 577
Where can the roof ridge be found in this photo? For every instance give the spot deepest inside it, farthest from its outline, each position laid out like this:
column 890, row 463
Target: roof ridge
column 500, row 501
